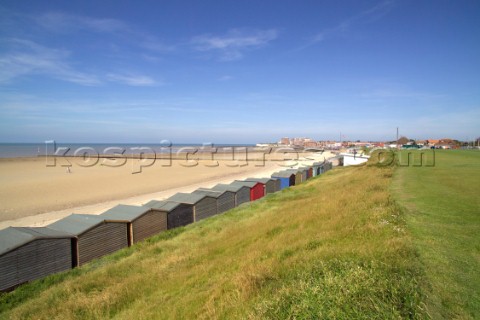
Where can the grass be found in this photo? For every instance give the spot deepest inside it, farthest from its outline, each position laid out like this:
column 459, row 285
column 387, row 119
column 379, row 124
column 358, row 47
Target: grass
column 334, row 247
column 377, row 241
column 442, row 206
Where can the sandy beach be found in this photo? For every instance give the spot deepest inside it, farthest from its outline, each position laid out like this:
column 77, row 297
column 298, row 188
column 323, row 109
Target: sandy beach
column 35, row 193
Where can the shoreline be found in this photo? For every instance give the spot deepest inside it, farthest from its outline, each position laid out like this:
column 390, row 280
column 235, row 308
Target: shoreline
column 134, row 150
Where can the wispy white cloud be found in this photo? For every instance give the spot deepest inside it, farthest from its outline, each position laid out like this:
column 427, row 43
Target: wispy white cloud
column 132, row 80
column 232, row 45
column 27, row 57
column 366, row 16
column 65, row 23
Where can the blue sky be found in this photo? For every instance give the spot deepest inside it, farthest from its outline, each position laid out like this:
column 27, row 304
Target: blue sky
column 238, row 71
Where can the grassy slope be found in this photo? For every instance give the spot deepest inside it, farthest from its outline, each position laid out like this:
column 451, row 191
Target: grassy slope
column 334, row 247
column 444, row 218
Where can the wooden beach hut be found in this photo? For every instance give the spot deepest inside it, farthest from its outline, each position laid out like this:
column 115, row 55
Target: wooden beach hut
column 303, row 170
column 286, row 178
column 328, row 166
column 242, row 193
column 271, row 184
column 316, row 169
column 95, row 237
column 225, row 199
column 298, row 175
column 142, row 222
column 204, row 206
column 178, row 214
column 257, row 189
column 309, row 172
column 28, row 254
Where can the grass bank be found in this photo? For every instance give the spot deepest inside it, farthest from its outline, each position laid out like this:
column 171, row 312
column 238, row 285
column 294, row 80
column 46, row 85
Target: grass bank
column 334, row 247
column 443, row 215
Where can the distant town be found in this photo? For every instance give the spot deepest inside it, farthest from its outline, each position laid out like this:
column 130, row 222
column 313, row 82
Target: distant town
column 402, row 142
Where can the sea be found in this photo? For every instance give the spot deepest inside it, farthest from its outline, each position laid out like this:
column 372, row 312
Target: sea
column 16, row 150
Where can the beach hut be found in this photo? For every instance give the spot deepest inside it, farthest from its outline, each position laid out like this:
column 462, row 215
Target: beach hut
column 95, row 237
column 141, row 222
column 257, row 189
column 326, row 166
column 303, row 170
column 316, row 169
column 225, row 199
column 242, row 193
column 286, row 178
column 204, row 206
column 271, row 184
column 277, row 184
column 178, row 214
column 298, row 175
column 27, row 254
column 309, row 172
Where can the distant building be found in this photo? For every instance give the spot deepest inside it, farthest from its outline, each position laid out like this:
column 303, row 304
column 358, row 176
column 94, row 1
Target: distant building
column 353, row 159
column 311, row 144
column 285, row 141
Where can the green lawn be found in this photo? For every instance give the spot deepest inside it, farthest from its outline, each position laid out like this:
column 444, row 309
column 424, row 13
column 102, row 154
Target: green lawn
column 443, row 216
column 335, row 247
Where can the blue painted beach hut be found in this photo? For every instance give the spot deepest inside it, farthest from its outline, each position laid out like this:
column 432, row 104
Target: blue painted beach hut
column 286, row 178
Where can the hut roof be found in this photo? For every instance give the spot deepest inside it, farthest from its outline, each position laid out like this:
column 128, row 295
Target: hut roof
column 262, row 180
column 77, row 224
column 293, row 170
column 210, row 192
column 164, row 205
column 249, row 184
column 124, row 213
column 14, row 237
column 228, row 187
column 190, row 198
column 283, row 174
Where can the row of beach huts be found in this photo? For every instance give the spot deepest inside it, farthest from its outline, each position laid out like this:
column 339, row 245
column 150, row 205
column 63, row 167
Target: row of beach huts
column 29, row 253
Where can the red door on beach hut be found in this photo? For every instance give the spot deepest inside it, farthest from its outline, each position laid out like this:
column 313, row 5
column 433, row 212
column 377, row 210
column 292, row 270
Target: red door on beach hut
column 257, row 191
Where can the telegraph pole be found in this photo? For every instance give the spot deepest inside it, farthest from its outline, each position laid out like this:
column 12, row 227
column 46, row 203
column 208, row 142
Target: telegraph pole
column 397, row 139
